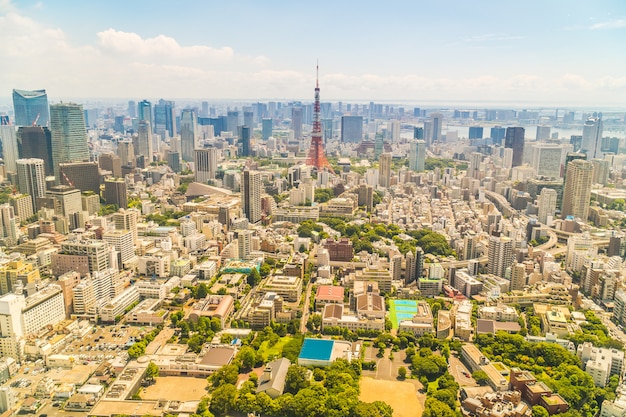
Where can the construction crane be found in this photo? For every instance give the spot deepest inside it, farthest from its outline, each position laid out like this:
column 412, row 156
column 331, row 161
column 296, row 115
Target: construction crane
column 69, row 182
column 36, row 119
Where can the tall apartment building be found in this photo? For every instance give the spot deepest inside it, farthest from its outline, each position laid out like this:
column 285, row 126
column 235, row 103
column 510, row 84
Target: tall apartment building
column 546, row 205
column 31, row 179
column 500, row 255
column 384, row 170
column 577, row 191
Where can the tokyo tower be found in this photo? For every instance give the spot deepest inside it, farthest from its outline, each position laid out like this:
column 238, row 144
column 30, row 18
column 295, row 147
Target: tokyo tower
column 317, row 157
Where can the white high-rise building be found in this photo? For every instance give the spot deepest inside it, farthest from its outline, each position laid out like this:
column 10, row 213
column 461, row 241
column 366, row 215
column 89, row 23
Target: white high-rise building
column 592, row 138
column 11, row 326
column 8, row 225
column 122, row 240
column 84, row 298
column 500, row 255
column 244, row 243
column 394, row 130
column 417, row 155
column 31, row 178
column 547, row 205
column 9, row 147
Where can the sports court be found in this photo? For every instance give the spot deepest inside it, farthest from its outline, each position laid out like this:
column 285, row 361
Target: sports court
column 401, row 310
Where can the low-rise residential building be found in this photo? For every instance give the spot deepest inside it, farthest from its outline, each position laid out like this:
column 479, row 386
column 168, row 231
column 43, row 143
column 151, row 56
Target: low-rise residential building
column 498, row 313
column 290, row 288
column 600, row 363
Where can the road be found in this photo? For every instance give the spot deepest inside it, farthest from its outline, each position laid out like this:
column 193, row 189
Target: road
column 305, row 308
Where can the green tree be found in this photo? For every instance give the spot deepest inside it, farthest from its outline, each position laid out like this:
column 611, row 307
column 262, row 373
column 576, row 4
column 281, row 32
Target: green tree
column 480, row 377
column 436, row 408
column 296, row 379
column 247, row 355
column 254, row 278
column 225, row 375
column 402, row 372
column 539, row 411
column 152, row 371
column 223, row 399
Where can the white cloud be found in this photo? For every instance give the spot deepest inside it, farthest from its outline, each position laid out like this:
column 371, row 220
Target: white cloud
column 159, row 46
column 610, row 24
column 127, row 65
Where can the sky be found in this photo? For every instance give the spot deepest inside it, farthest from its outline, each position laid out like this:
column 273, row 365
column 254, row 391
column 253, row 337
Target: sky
column 563, row 53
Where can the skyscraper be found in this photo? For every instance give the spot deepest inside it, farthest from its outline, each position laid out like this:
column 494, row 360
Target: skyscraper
column 543, row 133
column 36, row 142
column 144, row 111
column 9, row 146
column 384, row 170
column 497, row 134
column 547, row 205
column 69, row 136
column 514, row 139
column 475, row 132
column 437, row 125
column 31, row 178
column 31, row 107
column 206, row 161
column 126, row 152
column 244, row 138
column 251, row 196
column 232, row 121
column 144, row 140
column 132, row 109
column 296, row 121
column 164, row 118
column 417, row 155
column 351, row 129
column 592, row 138
column 248, row 119
column 189, row 134
column 518, row 277
column 267, row 128
column 577, row 191
column 500, row 254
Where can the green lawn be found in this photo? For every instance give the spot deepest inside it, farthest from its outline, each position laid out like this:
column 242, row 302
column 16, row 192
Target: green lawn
column 275, row 350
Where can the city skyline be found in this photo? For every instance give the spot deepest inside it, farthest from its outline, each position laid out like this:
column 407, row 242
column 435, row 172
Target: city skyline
column 558, row 53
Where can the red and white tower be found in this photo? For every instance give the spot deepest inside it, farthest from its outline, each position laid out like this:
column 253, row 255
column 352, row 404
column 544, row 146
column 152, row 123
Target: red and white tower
column 317, row 156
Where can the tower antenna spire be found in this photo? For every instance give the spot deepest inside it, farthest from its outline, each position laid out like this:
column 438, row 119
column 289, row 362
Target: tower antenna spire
column 317, row 157
column 317, row 74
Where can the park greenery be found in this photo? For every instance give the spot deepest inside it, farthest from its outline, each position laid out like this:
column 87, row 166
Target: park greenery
column 551, row 364
column 364, row 235
column 334, row 391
